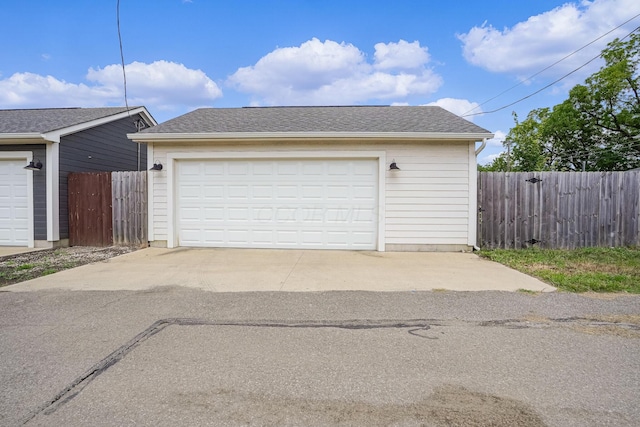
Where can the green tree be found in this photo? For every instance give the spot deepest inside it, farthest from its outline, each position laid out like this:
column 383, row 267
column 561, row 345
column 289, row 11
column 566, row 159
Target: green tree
column 596, row 128
column 499, row 164
column 528, row 151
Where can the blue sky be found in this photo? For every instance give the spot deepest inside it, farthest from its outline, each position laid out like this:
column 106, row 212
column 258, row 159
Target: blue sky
column 185, row 54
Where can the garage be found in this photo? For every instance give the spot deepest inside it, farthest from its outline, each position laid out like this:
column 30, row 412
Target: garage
column 381, row 178
column 277, row 203
column 14, row 203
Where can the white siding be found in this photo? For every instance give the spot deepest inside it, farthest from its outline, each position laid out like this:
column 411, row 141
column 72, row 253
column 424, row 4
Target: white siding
column 427, row 200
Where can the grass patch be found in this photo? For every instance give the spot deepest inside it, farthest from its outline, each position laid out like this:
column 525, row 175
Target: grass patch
column 528, row 291
column 578, row 270
column 29, row 265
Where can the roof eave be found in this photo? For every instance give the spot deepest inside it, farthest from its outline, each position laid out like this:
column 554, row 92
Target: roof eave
column 22, row 138
column 269, row 136
column 55, row 135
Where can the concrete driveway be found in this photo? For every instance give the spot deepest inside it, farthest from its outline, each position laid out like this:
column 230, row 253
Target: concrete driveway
column 248, row 270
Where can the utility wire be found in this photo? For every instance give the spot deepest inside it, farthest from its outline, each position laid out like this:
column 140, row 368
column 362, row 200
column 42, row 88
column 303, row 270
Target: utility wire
column 549, row 85
column 124, row 77
column 554, row 64
column 124, row 73
column 550, row 66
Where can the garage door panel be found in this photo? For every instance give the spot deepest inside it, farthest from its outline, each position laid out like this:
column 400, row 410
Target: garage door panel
column 288, row 168
column 312, row 169
column 286, row 214
column 213, row 169
column 215, row 192
column 238, row 168
column 365, row 169
column 213, row 214
column 363, row 238
column 263, row 169
column 311, row 192
column 287, row 192
column 262, row 192
column 287, row 203
column 190, row 170
column 338, row 169
column 238, row 192
column 238, row 214
column 21, row 213
column 338, row 192
column 365, row 193
column 365, row 216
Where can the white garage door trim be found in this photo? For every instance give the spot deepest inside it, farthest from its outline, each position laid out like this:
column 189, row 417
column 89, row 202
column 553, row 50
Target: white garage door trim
column 172, row 158
column 24, row 157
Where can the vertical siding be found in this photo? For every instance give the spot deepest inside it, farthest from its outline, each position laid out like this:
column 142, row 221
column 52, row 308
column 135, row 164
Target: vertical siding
column 427, row 201
column 39, row 188
column 103, row 148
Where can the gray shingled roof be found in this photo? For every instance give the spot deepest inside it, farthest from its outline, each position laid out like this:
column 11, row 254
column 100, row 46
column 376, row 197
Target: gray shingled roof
column 376, row 119
column 51, row 119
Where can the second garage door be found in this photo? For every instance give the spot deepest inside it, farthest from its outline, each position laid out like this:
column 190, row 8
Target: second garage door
column 14, row 212
column 284, row 203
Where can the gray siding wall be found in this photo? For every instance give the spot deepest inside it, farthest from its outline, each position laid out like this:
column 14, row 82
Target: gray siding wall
column 103, row 148
column 39, row 188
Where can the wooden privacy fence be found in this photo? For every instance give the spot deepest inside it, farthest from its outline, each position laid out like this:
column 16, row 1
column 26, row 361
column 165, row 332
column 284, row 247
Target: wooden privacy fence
column 108, row 208
column 129, row 198
column 90, row 209
column 563, row 210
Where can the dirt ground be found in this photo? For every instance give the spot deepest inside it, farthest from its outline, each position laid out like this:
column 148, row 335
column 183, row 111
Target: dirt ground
column 29, row 265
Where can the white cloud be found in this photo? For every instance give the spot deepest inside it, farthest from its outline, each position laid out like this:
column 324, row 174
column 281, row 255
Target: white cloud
column 401, row 56
column 458, row 106
column 160, row 85
column 543, row 39
column 34, row 90
column 336, row 73
column 488, row 158
column 497, row 140
column 163, row 84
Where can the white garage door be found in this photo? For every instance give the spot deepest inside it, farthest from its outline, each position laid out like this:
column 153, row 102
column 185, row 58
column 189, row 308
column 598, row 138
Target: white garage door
column 285, row 203
column 14, row 214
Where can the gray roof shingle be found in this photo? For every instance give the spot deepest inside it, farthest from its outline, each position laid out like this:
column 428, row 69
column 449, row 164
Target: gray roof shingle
column 51, row 119
column 375, row 119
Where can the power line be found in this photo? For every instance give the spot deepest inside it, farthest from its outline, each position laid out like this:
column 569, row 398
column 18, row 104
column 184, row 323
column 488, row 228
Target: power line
column 124, row 73
column 549, row 85
column 549, row 66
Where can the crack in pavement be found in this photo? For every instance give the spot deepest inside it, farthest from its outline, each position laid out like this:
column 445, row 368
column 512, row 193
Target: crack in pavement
column 415, row 327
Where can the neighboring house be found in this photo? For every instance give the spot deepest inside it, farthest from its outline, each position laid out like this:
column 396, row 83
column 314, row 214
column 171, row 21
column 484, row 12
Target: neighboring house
column 57, row 141
column 314, row 178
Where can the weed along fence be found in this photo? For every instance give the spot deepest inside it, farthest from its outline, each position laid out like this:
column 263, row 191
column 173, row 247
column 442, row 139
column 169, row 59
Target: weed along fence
column 108, row 208
column 561, row 210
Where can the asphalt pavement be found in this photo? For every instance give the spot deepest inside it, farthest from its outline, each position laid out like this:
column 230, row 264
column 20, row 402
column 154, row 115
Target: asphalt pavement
column 183, row 356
